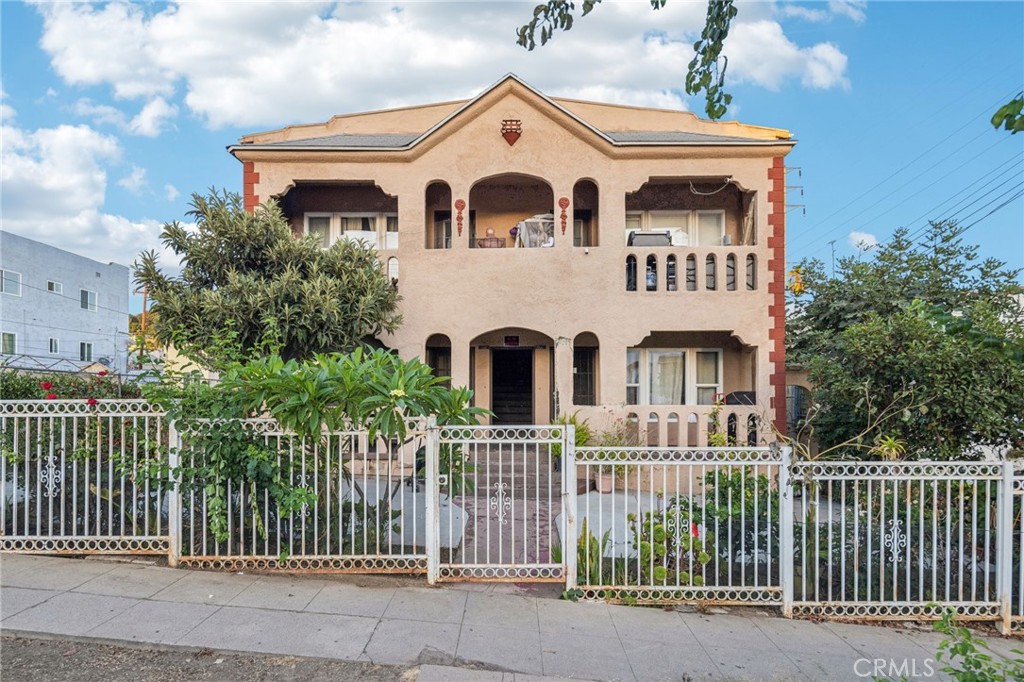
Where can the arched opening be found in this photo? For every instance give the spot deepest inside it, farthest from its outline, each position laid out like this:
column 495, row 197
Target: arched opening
column 633, row 428
column 630, row 273
column 585, row 357
column 731, row 425
column 438, row 210
column 691, row 273
column 683, row 211
column 653, row 428
column 585, row 214
column 393, row 271
column 751, row 272
column 752, row 424
column 439, row 356
column 672, row 439
column 692, row 430
column 512, row 372
column 710, row 275
column 511, row 210
column 670, row 273
column 651, row 276
column 730, row 272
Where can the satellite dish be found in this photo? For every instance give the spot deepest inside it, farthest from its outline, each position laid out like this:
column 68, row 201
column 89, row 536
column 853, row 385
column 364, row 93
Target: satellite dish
column 104, row 361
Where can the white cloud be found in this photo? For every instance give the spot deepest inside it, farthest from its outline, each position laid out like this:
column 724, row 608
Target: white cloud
column 53, row 187
column 153, row 118
column 100, row 114
column 851, row 9
column 7, row 112
column 134, row 181
column 267, row 64
column 863, row 241
column 760, row 52
column 171, row 192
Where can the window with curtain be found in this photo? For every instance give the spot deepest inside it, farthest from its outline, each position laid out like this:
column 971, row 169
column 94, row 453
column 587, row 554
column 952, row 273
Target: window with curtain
column 667, row 373
column 673, row 376
column 707, row 379
column 632, row 376
column 319, row 226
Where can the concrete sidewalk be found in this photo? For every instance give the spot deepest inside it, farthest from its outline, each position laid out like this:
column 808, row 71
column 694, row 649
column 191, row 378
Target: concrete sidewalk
column 451, row 633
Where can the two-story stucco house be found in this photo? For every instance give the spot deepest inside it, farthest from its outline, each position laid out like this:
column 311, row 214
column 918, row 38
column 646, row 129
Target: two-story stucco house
column 60, row 310
column 558, row 255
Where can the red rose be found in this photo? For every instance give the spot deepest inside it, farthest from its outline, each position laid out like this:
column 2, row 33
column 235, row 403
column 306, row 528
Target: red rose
column 102, row 373
column 92, row 401
column 51, row 396
column 46, row 385
column 693, row 529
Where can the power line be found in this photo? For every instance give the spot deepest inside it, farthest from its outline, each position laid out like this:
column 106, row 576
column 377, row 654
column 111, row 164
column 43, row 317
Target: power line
column 72, row 298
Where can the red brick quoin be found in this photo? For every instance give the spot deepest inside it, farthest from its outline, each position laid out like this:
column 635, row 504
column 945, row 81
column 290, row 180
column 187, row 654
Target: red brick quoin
column 777, row 288
column 249, row 179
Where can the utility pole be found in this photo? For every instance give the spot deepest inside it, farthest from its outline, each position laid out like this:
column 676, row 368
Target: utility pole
column 833, row 245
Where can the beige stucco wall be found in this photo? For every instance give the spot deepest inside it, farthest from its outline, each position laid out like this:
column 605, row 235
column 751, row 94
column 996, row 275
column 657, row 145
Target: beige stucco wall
column 562, row 291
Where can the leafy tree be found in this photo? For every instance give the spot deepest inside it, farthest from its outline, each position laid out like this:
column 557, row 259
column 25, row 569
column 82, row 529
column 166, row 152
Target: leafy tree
column 870, row 343
column 247, row 273
column 706, row 71
column 1011, row 115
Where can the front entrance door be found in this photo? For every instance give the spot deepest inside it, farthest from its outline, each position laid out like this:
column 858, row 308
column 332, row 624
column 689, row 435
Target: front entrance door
column 512, row 385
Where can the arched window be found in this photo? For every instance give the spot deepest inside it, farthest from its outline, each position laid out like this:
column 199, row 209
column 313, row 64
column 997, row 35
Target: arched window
column 730, row 272
column 630, row 273
column 652, row 273
column 670, row 274
column 752, row 422
column 672, row 440
column 751, row 272
column 393, row 270
column 710, row 275
column 691, row 273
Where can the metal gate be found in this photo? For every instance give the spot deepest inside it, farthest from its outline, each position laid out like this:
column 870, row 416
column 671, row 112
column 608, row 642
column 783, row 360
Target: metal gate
column 498, row 498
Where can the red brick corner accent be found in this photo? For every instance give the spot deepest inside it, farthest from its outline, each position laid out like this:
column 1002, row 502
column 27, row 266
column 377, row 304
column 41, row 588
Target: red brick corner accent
column 777, row 289
column 249, row 179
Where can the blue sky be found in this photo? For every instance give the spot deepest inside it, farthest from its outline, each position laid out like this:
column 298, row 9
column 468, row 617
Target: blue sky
column 114, row 113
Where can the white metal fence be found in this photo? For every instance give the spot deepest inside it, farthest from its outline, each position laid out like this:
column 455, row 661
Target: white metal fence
column 856, row 540
column 62, row 486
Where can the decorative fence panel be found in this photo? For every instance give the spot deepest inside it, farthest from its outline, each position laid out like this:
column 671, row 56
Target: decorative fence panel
column 500, row 496
column 63, row 488
column 368, row 512
column 896, row 540
column 668, row 526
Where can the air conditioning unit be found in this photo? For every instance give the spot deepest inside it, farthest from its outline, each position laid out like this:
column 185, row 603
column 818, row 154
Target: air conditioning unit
column 727, row 240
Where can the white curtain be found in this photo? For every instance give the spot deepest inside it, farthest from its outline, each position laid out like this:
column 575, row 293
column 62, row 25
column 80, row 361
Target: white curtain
column 667, row 377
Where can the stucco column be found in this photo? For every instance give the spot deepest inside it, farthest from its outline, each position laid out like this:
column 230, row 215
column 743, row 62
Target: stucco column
column 563, row 211
column 563, row 375
column 460, row 361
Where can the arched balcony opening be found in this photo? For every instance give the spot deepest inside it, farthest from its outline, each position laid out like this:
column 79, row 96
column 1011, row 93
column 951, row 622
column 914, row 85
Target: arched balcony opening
column 630, row 273
column 585, row 230
column 730, row 272
column 651, row 274
column 671, row 278
column 438, row 212
column 653, row 429
column 511, row 210
column 710, row 273
column 393, row 271
column 691, row 273
column 751, row 272
column 672, row 439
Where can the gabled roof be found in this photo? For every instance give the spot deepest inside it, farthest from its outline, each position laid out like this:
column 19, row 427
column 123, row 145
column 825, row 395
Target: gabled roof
column 406, row 141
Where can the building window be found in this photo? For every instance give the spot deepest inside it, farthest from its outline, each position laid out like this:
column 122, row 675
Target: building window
column 683, row 228
column 584, row 376
column 798, row 400
column 54, row 346
column 85, row 351
column 673, row 376
column 440, row 362
column 10, row 282
column 378, row 230
column 8, row 343
column 88, row 299
column 54, row 287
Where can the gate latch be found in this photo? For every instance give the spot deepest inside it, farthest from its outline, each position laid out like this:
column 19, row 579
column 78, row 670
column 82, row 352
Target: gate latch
column 442, row 480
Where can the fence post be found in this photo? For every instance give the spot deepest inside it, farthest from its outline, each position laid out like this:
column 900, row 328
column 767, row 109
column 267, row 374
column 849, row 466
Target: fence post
column 1004, row 547
column 174, row 497
column 569, row 539
column 786, row 532
column 433, row 519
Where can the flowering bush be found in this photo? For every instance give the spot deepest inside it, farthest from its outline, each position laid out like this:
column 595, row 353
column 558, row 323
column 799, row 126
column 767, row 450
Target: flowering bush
column 15, row 385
